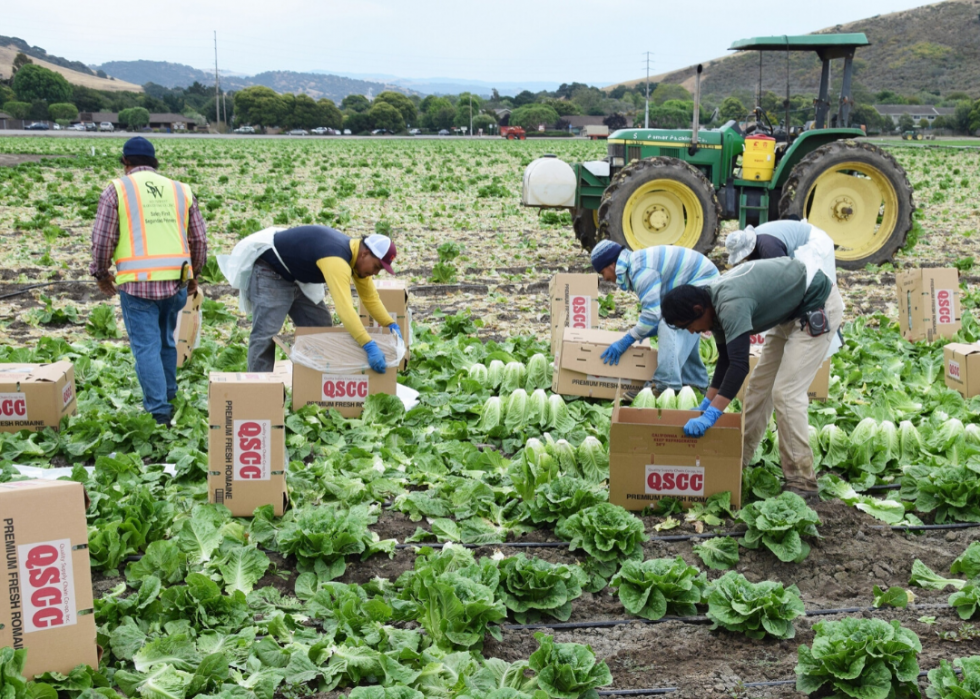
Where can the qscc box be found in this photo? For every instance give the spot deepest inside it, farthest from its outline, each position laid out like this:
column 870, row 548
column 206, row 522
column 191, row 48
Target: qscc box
column 650, row 458
column 344, row 392
column 394, row 297
column 35, row 396
column 187, row 334
column 247, row 441
column 928, row 303
column 962, row 364
column 580, row 371
column 574, row 304
column 46, row 603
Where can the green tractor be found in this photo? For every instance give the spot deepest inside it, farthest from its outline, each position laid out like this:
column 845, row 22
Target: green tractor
column 674, row 187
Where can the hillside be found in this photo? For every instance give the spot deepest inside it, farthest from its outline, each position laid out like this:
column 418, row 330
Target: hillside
column 935, row 47
column 315, row 85
column 9, row 52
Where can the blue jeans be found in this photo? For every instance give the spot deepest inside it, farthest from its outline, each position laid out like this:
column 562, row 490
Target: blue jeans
column 150, row 325
column 273, row 298
column 678, row 360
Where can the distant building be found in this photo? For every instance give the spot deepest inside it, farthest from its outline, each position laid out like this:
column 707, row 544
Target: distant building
column 158, row 122
column 918, row 112
column 575, row 124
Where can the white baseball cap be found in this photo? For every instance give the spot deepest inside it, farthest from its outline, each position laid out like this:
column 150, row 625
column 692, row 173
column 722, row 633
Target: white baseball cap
column 382, row 248
column 740, row 245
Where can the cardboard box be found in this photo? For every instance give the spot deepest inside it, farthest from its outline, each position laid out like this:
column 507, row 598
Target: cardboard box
column 247, row 441
column 819, row 389
column 345, row 393
column 46, row 603
column 962, row 368
column 394, row 297
column 928, row 303
column 650, row 458
column 35, row 396
column 574, row 304
column 579, row 370
column 187, row 334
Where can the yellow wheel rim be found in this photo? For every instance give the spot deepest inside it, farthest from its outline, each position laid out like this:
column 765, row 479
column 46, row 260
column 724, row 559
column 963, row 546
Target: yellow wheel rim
column 663, row 212
column 856, row 205
column 595, row 218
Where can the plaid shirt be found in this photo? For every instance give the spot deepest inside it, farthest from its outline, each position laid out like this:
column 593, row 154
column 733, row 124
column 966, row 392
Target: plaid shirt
column 105, row 236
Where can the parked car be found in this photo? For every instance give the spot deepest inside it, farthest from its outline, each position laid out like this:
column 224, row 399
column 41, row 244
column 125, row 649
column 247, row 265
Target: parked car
column 37, row 126
column 77, row 127
column 245, row 129
column 299, row 132
column 415, row 132
column 325, row 131
column 106, row 126
column 347, row 132
column 443, row 132
column 56, row 127
column 90, row 126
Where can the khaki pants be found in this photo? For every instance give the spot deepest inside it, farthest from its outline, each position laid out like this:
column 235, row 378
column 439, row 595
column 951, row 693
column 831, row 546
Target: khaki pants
column 790, row 360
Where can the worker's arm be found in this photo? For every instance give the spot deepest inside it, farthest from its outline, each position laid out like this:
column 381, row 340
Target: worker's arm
column 337, row 275
column 730, row 371
column 372, row 301
column 105, row 233
column 197, row 238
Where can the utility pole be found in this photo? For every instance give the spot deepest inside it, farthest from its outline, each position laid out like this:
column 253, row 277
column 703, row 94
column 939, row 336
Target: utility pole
column 217, row 98
column 646, row 112
column 471, row 115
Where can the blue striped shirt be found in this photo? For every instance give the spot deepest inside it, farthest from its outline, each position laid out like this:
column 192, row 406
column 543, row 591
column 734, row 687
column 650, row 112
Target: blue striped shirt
column 652, row 272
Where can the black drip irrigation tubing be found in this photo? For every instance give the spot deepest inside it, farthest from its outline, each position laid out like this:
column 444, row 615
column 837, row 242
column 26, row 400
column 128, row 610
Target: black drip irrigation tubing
column 40, row 286
column 929, row 527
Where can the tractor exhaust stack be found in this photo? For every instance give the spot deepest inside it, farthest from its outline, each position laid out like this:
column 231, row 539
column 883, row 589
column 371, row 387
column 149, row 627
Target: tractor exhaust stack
column 697, row 112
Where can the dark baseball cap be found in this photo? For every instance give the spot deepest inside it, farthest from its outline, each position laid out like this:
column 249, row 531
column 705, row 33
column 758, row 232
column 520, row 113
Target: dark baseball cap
column 139, row 146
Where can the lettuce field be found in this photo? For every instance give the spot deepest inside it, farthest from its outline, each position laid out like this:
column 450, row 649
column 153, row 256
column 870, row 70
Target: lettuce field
column 465, row 548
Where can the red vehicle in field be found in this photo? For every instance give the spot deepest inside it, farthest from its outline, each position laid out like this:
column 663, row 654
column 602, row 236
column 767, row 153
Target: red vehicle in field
column 512, row 132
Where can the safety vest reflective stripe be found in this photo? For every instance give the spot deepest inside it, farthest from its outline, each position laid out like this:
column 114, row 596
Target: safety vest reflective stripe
column 181, row 202
column 137, row 236
column 152, row 262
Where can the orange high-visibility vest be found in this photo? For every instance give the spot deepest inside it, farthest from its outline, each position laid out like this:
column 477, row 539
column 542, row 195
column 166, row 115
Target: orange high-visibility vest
column 153, row 215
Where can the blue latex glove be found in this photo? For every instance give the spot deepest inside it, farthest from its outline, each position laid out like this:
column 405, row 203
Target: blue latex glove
column 396, row 330
column 696, row 427
column 376, row 358
column 616, row 349
column 704, row 405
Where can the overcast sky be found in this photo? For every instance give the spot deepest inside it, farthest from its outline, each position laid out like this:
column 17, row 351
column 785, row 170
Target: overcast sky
column 593, row 41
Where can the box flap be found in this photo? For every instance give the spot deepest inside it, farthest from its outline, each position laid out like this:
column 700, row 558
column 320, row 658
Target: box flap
column 581, row 351
column 961, row 348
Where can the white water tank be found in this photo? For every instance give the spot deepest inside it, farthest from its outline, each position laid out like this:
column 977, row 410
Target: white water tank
column 549, row 182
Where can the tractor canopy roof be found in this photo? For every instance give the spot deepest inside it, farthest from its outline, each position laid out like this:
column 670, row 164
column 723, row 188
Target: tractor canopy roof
column 827, row 45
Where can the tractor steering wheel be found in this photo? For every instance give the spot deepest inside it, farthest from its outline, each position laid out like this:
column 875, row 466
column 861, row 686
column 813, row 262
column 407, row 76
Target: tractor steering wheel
column 765, row 118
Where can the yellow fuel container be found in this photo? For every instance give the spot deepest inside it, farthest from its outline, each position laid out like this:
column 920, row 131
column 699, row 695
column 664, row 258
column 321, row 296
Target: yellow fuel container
column 759, row 158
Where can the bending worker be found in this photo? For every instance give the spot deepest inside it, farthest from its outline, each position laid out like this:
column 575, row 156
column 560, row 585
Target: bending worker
column 803, row 308
column 151, row 229
column 650, row 273
column 790, row 237
column 287, row 279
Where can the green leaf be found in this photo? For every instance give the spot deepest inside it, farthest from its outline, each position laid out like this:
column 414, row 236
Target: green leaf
column 242, row 567
column 892, row 597
column 719, row 553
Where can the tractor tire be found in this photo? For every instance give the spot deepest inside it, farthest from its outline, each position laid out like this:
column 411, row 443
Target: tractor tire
column 660, row 201
column 858, row 194
column 585, row 222
column 510, row 137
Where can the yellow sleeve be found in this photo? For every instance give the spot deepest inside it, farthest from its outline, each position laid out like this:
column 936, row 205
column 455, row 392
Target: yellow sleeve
column 372, row 302
column 337, row 275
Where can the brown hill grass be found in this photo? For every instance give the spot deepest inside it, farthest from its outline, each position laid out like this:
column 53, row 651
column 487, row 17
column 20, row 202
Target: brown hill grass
column 930, row 48
column 8, row 53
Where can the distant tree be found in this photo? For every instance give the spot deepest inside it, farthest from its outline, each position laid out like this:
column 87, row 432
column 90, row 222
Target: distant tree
column 588, row 99
column 330, row 116
column 357, row 122
column 20, row 60
column 615, row 122
column 17, row 110
column 669, row 91
column 32, row 82
column 962, row 116
column 940, row 122
column 566, row 90
column 494, row 95
column 974, row 118
column 210, row 114
column 483, row 121
column 864, row 114
column 355, row 103
column 889, row 97
column 672, row 114
column 913, row 100
column 153, row 104
column 731, row 108
column 385, row 116
column 87, row 99
column 6, row 94
column 101, row 73
column 134, row 117
column 618, row 92
column 533, row 115
column 525, row 97
column 953, row 97
column 261, row 106
column 39, row 110
column 887, row 123
column 401, row 103
column 905, row 122
column 197, row 88
column 923, row 123
column 439, row 113
column 564, row 107
column 305, row 113
column 463, row 109
column 63, row 110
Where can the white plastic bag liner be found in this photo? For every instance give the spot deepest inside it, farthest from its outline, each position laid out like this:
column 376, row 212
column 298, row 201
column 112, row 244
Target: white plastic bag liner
column 818, row 253
column 408, row 396
column 237, row 267
column 53, row 474
column 339, row 353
